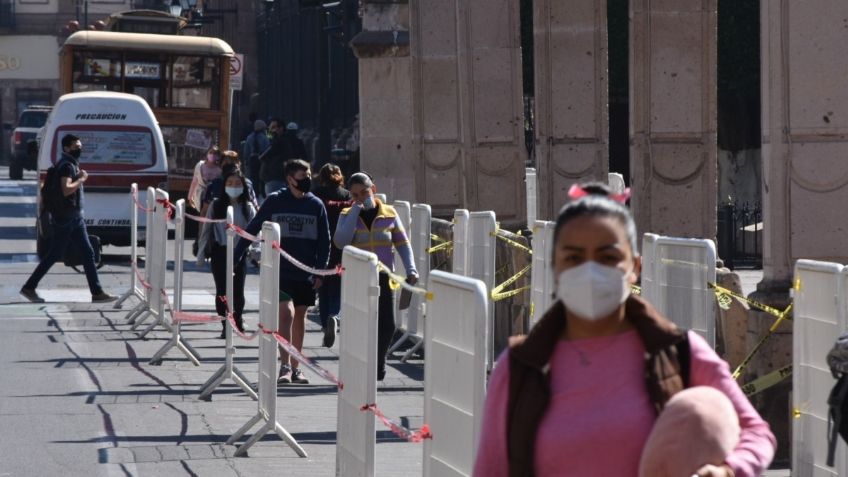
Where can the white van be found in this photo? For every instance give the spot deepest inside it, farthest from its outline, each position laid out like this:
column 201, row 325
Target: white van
column 121, row 144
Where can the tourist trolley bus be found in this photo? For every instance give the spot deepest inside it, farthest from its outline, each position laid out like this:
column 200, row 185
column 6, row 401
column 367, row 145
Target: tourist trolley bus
column 184, row 79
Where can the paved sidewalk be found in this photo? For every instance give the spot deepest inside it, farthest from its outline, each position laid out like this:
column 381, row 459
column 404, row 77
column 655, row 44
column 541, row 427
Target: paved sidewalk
column 77, row 397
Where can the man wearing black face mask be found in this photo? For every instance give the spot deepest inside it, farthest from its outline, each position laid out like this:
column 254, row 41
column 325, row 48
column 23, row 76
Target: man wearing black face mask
column 68, row 225
column 305, row 235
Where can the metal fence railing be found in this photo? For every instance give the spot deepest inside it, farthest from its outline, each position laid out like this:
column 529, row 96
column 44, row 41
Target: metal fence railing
column 740, row 235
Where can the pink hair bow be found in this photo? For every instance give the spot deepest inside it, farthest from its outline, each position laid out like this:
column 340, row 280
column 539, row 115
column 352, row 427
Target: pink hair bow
column 577, row 192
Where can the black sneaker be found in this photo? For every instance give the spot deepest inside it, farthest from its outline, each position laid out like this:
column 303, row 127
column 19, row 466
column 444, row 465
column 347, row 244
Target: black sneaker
column 103, row 297
column 381, row 374
column 31, row 295
column 330, row 331
column 298, row 377
column 285, row 376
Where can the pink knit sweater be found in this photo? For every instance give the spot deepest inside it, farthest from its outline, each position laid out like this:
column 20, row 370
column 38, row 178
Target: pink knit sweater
column 600, row 416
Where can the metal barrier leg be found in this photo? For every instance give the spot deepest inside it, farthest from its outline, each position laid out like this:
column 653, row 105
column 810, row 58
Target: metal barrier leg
column 243, row 430
column 399, row 342
column 411, row 351
column 212, row 382
column 133, row 314
column 179, row 343
column 288, row 439
column 140, row 319
column 158, row 322
column 133, row 292
column 242, row 450
column 244, row 383
column 228, row 371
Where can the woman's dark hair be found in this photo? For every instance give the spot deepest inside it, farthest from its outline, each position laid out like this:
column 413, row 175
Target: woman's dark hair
column 213, row 149
column 360, row 178
column 330, row 175
column 598, row 204
column 220, row 204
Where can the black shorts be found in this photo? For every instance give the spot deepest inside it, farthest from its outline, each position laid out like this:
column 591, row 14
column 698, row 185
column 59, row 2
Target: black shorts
column 299, row 292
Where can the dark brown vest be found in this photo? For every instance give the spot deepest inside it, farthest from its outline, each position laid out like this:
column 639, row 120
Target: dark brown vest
column 666, row 373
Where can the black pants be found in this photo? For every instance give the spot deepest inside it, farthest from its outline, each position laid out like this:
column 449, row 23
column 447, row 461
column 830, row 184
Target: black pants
column 385, row 321
column 219, row 273
column 68, row 232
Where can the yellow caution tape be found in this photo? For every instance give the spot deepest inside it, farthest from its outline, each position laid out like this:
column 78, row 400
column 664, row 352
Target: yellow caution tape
column 515, row 244
column 436, row 238
column 532, row 309
column 440, row 247
column 755, row 304
column 509, row 294
column 401, row 282
column 762, row 341
column 393, row 285
column 769, row 380
column 636, row 290
column 509, row 281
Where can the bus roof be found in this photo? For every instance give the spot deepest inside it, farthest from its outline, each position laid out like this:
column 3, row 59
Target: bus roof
column 190, row 45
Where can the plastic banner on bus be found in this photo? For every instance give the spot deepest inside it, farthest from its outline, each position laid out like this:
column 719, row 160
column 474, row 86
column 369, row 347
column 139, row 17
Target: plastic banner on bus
column 455, row 339
column 356, row 430
column 541, row 273
column 819, row 318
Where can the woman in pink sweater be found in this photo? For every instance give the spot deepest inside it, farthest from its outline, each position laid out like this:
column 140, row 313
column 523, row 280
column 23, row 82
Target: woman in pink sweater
column 581, row 394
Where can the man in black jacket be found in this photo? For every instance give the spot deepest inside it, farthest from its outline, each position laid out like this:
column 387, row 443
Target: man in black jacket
column 68, row 225
column 274, row 158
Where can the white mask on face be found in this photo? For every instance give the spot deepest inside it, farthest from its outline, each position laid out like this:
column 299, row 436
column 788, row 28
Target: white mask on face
column 592, row 291
column 369, row 203
column 234, row 192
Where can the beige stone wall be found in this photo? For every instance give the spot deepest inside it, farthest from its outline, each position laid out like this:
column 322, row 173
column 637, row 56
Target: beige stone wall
column 385, row 98
column 572, row 114
column 467, row 125
column 673, row 116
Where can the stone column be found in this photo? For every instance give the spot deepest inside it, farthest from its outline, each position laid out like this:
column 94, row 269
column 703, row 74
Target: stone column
column 468, row 127
column 572, row 90
column 805, row 175
column 673, row 116
column 385, row 97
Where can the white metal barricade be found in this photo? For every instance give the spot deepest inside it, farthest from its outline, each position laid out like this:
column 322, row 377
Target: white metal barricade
column 532, row 187
column 269, row 290
column 176, row 338
column 482, row 228
column 453, row 400
column 819, row 318
column 541, row 273
column 404, row 211
column 616, row 182
column 156, row 263
column 134, row 289
column 383, row 198
column 649, row 268
column 142, row 309
column 356, row 434
column 228, row 370
column 676, row 280
column 420, row 240
column 460, row 242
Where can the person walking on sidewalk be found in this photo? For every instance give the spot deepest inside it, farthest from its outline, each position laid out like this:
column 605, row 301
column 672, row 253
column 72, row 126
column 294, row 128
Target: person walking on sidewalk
column 335, row 198
column 604, row 384
column 305, row 235
column 213, row 244
column 68, row 225
column 273, row 160
column 254, row 145
column 374, row 226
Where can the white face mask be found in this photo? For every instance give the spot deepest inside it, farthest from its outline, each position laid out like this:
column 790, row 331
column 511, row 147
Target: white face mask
column 369, row 203
column 234, row 192
column 592, row 291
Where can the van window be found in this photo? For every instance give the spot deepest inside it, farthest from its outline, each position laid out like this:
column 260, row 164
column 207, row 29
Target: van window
column 32, row 119
column 129, row 147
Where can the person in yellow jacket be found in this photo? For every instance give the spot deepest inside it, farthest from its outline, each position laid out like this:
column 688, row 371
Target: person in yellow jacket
column 375, row 227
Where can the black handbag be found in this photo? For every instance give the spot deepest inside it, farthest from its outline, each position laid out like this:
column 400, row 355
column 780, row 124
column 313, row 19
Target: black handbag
column 73, row 255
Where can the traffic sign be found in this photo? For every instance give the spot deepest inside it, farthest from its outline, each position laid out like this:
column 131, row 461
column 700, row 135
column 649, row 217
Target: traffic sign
column 236, row 71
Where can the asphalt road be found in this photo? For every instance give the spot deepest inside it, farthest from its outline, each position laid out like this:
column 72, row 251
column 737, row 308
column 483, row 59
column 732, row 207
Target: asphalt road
column 78, row 398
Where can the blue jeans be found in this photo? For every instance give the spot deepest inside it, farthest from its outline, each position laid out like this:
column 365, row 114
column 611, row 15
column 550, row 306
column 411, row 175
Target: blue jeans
column 69, row 232
column 273, row 186
column 329, row 298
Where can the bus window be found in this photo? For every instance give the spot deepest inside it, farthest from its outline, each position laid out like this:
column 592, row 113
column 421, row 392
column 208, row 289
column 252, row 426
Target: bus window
column 195, row 82
column 146, row 77
column 99, row 71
